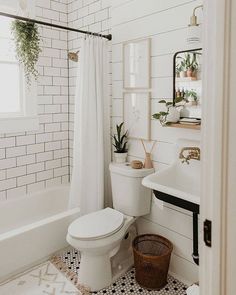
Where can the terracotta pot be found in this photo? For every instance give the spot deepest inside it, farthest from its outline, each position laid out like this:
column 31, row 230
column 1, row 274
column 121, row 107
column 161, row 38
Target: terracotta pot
column 189, row 73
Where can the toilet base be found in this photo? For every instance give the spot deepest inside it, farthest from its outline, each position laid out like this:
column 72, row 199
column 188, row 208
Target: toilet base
column 124, row 260
column 95, row 279
column 95, row 271
column 98, row 272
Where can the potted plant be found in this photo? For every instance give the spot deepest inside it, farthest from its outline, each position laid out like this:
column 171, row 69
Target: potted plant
column 27, row 42
column 120, row 144
column 191, row 64
column 172, row 113
column 180, row 68
column 191, row 96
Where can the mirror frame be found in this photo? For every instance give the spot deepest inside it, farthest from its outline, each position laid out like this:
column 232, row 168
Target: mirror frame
column 174, row 67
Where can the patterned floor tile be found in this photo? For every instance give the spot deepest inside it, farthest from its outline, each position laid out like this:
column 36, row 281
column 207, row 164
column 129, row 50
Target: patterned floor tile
column 126, row 284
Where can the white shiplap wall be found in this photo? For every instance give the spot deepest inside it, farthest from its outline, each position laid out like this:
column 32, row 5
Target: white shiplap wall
column 165, row 22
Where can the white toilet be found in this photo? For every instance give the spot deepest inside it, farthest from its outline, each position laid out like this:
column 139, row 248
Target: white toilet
column 99, row 236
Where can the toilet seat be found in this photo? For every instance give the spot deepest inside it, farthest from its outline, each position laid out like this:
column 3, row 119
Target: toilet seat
column 97, row 225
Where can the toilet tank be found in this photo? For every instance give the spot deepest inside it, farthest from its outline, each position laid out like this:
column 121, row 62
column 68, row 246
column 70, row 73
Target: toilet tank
column 129, row 195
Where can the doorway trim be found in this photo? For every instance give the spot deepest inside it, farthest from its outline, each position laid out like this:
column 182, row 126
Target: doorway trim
column 215, row 138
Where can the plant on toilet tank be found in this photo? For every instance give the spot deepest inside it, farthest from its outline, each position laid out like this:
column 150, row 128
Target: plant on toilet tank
column 120, row 144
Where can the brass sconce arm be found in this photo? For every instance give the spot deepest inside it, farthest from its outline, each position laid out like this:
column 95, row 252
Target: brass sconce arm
column 193, row 18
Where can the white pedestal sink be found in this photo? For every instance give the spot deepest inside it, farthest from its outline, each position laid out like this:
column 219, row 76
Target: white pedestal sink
column 179, row 185
column 181, row 180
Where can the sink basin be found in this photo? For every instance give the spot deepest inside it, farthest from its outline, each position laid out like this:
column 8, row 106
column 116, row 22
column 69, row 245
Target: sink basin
column 179, row 185
column 179, row 180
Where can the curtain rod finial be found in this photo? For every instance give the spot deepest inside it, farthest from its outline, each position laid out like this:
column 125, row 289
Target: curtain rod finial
column 109, row 37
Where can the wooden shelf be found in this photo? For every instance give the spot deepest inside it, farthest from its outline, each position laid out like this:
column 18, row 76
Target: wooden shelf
column 187, row 79
column 186, row 126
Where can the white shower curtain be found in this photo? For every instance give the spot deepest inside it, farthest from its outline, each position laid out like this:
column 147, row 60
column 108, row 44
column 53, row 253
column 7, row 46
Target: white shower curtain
column 91, row 127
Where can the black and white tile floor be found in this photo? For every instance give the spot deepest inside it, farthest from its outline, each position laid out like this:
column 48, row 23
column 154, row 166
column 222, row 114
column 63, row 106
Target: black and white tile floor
column 126, row 284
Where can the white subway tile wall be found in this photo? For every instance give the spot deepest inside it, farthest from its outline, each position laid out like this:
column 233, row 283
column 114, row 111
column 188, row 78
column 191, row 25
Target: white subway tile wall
column 32, row 161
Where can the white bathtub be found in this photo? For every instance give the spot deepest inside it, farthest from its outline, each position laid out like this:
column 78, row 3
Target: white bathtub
column 32, row 228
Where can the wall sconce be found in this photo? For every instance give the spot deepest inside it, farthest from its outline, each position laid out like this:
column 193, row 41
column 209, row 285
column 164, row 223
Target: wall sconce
column 194, row 31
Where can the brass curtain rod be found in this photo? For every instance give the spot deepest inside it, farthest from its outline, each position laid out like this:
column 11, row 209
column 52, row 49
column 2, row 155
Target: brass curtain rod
column 108, row 37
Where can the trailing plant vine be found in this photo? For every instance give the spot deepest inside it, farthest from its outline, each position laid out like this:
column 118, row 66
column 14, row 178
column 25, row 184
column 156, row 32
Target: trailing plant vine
column 27, row 42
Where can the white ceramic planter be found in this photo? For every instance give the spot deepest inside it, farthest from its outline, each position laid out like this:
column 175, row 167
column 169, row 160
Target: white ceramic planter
column 173, row 116
column 120, row 157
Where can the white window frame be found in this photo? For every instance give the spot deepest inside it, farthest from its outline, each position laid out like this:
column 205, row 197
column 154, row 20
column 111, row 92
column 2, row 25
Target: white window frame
column 28, row 119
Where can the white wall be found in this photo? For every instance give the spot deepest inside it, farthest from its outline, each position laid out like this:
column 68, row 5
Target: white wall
column 30, row 161
column 165, row 22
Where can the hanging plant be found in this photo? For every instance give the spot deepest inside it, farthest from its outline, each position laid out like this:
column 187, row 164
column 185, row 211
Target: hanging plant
column 27, row 42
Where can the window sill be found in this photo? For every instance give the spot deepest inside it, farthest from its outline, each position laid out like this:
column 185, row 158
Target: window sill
column 19, row 124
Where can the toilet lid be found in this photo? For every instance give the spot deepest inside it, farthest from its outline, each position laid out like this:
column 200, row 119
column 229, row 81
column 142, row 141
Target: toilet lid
column 96, row 225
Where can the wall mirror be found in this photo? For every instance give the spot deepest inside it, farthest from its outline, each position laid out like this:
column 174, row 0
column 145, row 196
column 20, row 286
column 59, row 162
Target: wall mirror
column 187, row 84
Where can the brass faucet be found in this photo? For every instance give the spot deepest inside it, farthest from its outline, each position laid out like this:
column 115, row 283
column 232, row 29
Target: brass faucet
column 193, row 154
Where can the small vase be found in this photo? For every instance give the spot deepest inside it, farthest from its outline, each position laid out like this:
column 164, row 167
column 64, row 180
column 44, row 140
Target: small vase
column 148, row 161
column 120, row 157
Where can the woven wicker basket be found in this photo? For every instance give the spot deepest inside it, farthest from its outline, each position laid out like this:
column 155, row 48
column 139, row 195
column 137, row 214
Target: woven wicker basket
column 151, row 260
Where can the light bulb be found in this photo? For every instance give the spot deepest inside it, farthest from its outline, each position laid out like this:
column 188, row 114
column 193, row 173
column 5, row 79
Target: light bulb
column 194, row 34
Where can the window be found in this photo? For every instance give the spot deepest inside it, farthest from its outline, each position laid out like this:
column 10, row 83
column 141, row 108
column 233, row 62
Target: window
column 10, row 74
column 18, row 108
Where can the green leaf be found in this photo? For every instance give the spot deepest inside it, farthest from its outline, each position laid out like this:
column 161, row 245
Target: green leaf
column 116, row 141
column 178, row 99
column 162, row 101
column 124, row 147
column 27, row 41
column 163, row 113
column 123, row 137
column 156, row 116
column 169, row 103
column 119, row 139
